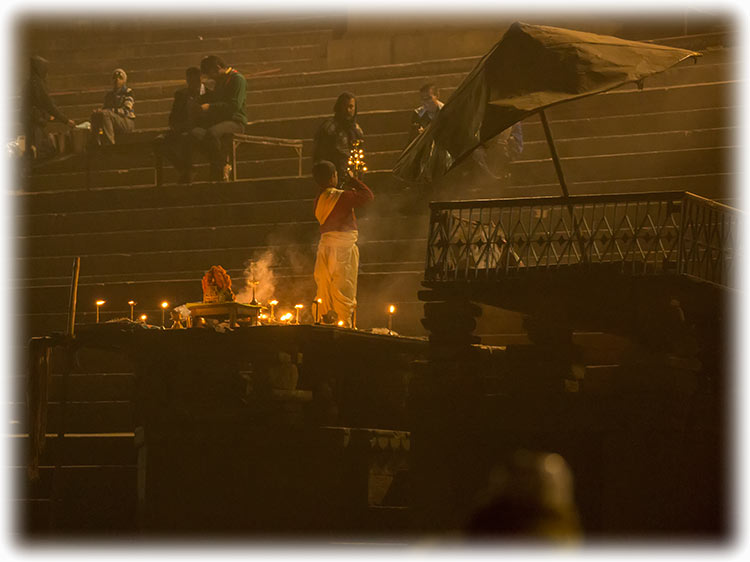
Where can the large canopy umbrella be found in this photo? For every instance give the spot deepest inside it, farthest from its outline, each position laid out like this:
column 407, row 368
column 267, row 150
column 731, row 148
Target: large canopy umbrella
column 531, row 68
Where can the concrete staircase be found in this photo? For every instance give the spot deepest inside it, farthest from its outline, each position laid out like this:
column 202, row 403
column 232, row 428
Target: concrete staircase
column 147, row 244
column 94, row 490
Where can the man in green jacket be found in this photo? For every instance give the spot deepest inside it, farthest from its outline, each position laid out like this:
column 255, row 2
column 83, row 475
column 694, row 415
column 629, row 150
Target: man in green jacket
column 225, row 114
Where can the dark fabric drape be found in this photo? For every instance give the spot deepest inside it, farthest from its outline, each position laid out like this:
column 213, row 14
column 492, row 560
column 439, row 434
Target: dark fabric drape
column 531, row 68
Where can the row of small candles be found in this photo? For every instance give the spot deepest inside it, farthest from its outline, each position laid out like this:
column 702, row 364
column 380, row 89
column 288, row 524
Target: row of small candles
column 164, row 306
column 284, row 318
column 288, row 316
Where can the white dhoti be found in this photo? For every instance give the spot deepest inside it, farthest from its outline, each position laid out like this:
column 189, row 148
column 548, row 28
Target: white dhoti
column 336, row 268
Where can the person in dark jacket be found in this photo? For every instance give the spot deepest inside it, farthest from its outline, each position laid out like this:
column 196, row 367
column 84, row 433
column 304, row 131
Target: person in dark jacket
column 425, row 113
column 224, row 115
column 186, row 114
column 116, row 116
column 333, row 139
column 39, row 110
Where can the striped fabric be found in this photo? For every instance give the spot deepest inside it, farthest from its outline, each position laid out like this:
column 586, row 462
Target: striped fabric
column 121, row 102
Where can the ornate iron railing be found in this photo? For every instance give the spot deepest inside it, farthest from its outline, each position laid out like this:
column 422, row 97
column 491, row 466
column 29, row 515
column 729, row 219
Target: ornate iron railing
column 637, row 234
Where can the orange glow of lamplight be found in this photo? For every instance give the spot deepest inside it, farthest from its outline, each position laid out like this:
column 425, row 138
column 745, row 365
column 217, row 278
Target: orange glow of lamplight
column 164, row 306
column 340, row 324
column 143, row 317
column 98, row 304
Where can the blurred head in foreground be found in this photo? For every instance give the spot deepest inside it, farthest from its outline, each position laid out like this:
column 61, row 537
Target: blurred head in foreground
column 529, row 498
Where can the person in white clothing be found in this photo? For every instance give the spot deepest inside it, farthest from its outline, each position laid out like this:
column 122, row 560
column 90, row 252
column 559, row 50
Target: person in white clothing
column 337, row 261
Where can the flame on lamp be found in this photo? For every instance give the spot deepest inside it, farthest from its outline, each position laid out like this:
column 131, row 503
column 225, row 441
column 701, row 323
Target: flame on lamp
column 98, row 304
column 340, row 324
column 164, row 306
column 391, row 312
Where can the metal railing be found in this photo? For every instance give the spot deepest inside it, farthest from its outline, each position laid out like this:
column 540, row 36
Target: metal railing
column 636, row 234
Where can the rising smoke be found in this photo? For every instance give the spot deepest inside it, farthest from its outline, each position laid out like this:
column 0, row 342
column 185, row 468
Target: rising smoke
column 258, row 273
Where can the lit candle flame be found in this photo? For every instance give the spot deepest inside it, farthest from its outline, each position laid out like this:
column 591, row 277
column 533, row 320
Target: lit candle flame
column 299, row 306
column 143, row 317
column 131, row 303
column 341, row 323
column 165, row 304
column 273, row 302
column 99, row 303
column 286, row 317
column 391, row 309
column 319, row 300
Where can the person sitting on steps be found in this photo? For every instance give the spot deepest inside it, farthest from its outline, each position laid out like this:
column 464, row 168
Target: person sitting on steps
column 224, row 115
column 116, row 115
column 39, row 110
column 186, row 114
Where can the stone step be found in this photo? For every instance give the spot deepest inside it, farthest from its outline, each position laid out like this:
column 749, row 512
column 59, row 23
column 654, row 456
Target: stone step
column 197, row 193
column 105, row 416
column 596, row 167
column 601, row 379
column 140, row 153
column 84, row 387
column 709, row 68
column 96, row 500
column 603, row 168
column 445, row 73
column 315, row 77
column 152, row 267
column 621, row 104
column 120, row 219
column 99, row 449
column 270, row 160
column 391, row 112
column 104, row 65
column 78, row 34
column 249, row 68
column 195, row 46
column 155, row 113
column 292, row 220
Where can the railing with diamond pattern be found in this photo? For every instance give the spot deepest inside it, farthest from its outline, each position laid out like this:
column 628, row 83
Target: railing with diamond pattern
column 637, row 234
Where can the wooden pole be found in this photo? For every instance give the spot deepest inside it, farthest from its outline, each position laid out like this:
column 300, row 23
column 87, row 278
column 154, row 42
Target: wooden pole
column 563, row 185
column 553, row 151
column 69, row 354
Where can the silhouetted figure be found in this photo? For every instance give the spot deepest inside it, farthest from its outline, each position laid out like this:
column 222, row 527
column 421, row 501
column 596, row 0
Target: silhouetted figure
column 425, row 113
column 528, row 499
column 224, row 115
column 117, row 115
column 39, row 110
column 186, row 114
column 333, row 139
